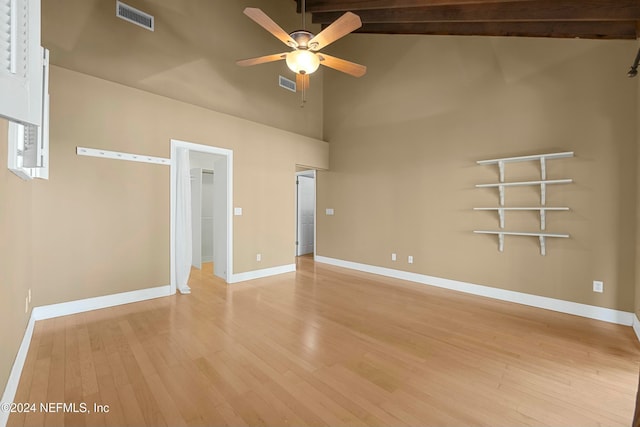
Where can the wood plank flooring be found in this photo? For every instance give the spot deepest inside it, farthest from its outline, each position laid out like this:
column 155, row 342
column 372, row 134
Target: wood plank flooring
column 328, row 346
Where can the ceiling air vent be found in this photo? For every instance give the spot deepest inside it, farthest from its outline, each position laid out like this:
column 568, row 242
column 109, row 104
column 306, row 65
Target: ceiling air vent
column 287, row 84
column 133, row 15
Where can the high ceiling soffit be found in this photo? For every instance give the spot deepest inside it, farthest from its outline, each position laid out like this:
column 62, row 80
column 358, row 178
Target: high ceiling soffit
column 590, row 19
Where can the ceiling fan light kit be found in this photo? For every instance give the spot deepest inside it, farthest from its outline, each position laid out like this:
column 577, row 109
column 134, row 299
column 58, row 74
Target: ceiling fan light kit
column 304, row 59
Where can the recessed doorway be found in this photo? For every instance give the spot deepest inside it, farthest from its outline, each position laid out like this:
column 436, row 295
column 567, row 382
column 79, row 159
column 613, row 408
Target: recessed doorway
column 306, row 212
column 221, row 164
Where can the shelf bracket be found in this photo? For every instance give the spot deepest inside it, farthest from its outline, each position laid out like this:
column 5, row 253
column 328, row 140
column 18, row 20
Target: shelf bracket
column 501, row 242
column 543, row 249
column 543, row 193
column 543, row 219
column 501, row 190
column 501, row 215
column 543, row 168
column 501, row 169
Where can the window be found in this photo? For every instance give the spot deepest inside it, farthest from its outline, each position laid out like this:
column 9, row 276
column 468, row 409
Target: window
column 24, row 88
column 28, row 155
column 20, row 61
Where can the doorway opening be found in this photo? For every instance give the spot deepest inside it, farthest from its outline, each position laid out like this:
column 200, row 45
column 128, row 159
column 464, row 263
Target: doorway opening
column 306, row 213
column 209, row 236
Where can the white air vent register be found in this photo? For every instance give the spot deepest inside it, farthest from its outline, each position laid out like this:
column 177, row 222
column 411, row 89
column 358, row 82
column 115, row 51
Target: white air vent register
column 135, row 16
column 287, row 84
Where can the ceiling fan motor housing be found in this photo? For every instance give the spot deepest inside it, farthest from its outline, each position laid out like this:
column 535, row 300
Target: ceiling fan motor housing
column 302, row 37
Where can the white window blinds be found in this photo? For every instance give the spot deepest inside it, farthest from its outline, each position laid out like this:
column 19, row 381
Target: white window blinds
column 28, row 155
column 21, row 61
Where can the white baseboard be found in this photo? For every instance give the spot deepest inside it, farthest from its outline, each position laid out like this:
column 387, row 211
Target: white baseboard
column 636, row 326
column 16, row 371
column 80, row 306
column 64, row 309
column 584, row 310
column 265, row 272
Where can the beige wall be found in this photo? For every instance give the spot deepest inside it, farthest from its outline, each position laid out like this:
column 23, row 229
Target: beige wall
column 15, row 258
column 102, row 226
column 405, row 138
column 190, row 56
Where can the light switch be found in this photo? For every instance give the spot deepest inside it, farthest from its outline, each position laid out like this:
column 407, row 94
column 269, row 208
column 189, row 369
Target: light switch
column 329, row 211
column 237, row 211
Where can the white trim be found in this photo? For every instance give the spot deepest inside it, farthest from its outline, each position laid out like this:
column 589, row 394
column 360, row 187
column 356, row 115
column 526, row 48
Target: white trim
column 175, row 144
column 96, row 303
column 64, row 309
column 636, row 326
column 265, row 272
column 577, row 309
column 16, row 370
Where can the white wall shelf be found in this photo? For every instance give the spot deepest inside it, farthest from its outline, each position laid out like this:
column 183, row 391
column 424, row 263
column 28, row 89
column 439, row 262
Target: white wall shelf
column 543, row 212
column 540, row 236
column 543, row 182
column 542, row 158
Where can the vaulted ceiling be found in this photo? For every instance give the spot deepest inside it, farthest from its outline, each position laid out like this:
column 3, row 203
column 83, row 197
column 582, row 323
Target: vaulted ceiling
column 592, row 19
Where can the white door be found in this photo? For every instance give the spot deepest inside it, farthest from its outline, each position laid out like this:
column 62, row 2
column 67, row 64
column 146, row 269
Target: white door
column 306, row 214
column 196, row 217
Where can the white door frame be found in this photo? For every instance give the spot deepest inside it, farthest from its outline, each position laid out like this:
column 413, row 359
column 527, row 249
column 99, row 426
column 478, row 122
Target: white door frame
column 313, row 173
column 196, row 217
column 175, row 144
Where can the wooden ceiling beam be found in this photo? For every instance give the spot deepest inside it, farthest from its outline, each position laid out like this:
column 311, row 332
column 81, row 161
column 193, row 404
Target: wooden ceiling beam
column 537, row 10
column 624, row 30
column 355, row 5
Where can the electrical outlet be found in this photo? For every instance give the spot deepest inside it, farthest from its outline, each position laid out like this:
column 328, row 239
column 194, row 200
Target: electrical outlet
column 598, row 286
column 394, row 257
column 258, row 257
column 410, row 259
column 29, row 295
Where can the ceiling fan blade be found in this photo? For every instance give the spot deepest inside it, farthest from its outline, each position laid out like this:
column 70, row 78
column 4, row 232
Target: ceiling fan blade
column 268, row 24
column 339, row 28
column 351, row 68
column 261, row 59
column 302, row 82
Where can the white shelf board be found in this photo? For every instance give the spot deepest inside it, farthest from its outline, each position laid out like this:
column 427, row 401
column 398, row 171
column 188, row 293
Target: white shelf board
column 542, row 183
column 521, row 183
column 540, row 236
column 520, row 233
column 526, row 158
column 541, row 208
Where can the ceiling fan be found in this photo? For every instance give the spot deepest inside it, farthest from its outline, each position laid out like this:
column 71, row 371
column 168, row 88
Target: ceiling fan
column 305, row 57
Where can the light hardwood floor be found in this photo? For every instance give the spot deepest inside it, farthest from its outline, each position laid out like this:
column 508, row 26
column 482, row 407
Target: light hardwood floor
column 327, row 346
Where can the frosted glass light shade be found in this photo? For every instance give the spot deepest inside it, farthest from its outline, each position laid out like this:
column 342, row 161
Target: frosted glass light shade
column 302, row 61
